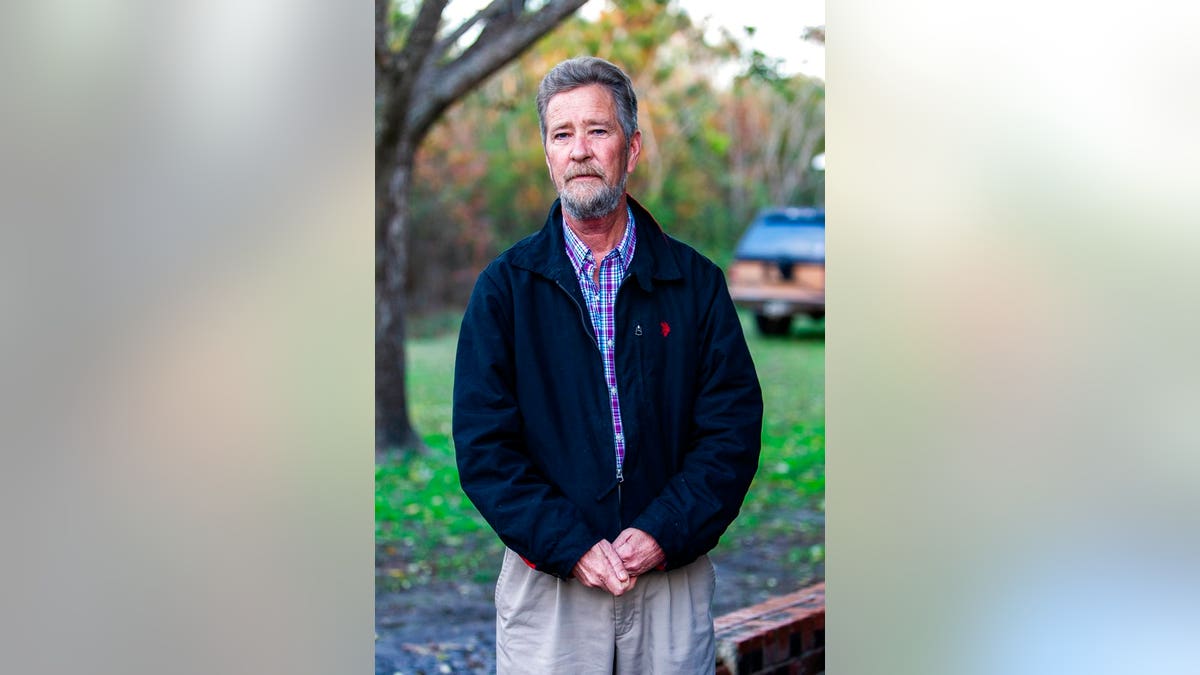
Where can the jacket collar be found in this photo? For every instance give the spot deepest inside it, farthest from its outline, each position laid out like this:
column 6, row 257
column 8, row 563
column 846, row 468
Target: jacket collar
column 652, row 259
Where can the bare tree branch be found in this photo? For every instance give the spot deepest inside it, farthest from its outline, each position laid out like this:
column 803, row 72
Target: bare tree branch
column 421, row 37
column 445, row 83
column 383, row 52
column 400, row 78
column 508, row 15
column 439, row 50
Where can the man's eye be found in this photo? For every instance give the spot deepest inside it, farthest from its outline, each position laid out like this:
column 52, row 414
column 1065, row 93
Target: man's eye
column 599, row 132
column 560, row 136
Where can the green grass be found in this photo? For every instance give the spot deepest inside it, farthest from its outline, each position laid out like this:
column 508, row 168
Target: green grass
column 789, row 488
column 426, row 528
column 424, row 524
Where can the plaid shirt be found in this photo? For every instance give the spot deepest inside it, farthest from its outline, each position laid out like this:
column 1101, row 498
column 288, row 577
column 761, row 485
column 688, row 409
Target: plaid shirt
column 601, row 297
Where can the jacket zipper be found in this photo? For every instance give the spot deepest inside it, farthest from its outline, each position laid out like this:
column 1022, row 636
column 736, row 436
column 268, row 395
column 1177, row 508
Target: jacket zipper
column 583, row 320
column 620, row 467
column 587, row 329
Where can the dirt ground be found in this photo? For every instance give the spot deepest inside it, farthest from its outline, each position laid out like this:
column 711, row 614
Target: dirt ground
column 449, row 627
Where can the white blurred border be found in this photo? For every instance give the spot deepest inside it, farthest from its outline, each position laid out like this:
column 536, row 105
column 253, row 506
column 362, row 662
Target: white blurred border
column 188, row 200
column 1011, row 371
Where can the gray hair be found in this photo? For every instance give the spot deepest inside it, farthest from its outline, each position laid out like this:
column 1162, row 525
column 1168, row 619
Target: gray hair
column 585, row 70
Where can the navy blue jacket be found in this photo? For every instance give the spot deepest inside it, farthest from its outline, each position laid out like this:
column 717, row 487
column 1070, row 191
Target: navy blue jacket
column 532, row 426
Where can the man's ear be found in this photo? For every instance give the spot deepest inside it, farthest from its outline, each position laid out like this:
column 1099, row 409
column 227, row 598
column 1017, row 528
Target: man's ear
column 635, row 151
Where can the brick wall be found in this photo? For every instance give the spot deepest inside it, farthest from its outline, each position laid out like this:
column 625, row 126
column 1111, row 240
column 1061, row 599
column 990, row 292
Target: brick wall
column 783, row 635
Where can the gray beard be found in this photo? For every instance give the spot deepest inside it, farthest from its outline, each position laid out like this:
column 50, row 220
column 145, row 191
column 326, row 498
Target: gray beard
column 593, row 204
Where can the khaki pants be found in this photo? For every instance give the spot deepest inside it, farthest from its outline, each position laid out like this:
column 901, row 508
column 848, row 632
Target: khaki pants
column 547, row 625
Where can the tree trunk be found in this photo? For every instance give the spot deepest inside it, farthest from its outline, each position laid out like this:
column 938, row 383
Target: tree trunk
column 413, row 88
column 393, row 428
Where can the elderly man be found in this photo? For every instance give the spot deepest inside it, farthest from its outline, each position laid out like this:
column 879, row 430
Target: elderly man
column 607, row 414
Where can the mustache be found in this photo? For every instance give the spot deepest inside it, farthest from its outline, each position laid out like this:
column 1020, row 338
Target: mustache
column 584, row 171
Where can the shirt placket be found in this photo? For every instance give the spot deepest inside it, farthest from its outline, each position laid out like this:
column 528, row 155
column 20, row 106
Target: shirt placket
column 610, row 277
column 599, row 293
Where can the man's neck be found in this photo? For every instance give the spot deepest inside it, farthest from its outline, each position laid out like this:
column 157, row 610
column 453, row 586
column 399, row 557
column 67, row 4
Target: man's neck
column 601, row 235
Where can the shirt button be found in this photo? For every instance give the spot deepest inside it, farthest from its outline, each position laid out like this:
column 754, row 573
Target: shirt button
column 611, row 342
column 612, row 390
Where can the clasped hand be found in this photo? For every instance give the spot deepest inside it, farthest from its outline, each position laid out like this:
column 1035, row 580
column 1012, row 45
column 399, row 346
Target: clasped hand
column 615, row 566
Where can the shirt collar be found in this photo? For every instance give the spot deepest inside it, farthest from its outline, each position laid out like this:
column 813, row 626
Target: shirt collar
column 579, row 253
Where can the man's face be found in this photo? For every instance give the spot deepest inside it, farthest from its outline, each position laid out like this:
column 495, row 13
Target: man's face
column 586, row 153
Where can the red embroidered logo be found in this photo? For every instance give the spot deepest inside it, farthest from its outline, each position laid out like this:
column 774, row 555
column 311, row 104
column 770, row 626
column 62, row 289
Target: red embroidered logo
column 666, row 328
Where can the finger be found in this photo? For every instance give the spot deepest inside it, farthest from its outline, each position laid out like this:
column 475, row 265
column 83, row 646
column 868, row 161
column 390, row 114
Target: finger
column 629, row 542
column 623, row 538
column 622, row 587
column 627, row 550
column 615, row 587
column 600, row 578
column 608, row 581
column 584, row 576
column 631, row 555
column 591, row 568
column 614, row 561
column 589, row 578
column 624, row 554
column 628, row 585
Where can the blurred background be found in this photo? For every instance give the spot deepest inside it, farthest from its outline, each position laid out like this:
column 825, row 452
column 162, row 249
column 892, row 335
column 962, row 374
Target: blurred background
column 726, row 130
column 190, row 482
column 732, row 112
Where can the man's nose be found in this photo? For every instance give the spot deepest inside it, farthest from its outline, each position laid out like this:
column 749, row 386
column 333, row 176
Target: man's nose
column 580, row 148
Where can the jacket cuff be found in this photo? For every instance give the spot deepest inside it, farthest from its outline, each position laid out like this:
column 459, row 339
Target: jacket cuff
column 564, row 558
column 657, row 522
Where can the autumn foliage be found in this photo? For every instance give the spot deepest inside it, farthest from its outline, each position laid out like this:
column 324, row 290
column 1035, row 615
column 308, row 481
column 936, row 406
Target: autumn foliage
column 724, row 135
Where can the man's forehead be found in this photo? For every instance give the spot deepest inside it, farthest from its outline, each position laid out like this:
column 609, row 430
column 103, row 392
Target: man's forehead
column 590, row 100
